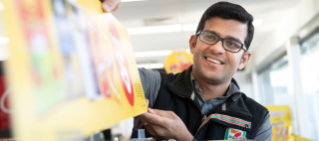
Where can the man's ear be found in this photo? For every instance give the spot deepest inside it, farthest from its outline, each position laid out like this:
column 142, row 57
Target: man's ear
column 192, row 43
column 244, row 59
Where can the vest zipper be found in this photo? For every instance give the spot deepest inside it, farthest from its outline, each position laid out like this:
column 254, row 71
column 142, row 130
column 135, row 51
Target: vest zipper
column 203, row 119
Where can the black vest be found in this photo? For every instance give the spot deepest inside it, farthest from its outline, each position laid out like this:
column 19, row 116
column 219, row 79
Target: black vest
column 175, row 95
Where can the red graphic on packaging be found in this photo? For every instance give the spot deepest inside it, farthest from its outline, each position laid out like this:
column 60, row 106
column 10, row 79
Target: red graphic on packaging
column 110, row 71
column 237, row 135
column 121, row 63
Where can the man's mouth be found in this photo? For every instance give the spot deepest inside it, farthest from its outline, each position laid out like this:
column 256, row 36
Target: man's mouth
column 213, row 60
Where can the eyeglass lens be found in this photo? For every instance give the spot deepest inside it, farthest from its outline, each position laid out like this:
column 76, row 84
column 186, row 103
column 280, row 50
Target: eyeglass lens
column 228, row 44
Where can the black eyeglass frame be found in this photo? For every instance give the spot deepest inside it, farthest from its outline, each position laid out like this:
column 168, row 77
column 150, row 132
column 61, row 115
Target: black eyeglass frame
column 222, row 39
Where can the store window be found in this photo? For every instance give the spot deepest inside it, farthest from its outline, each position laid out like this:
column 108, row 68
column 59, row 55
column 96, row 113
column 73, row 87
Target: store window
column 309, row 66
column 276, row 84
column 276, row 87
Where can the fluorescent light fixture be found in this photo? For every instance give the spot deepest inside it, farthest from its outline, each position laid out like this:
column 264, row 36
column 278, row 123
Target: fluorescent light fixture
column 154, row 29
column 258, row 22
column 151, row 66
column 190, row 27
column 131, row 0
column 1, row 7
column 161, row 29
column 4, row 40
column 152, row 53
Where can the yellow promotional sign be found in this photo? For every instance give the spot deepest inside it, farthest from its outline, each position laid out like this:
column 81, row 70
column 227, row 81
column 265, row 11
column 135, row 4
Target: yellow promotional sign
column 71, row 71
column 281, row 123
column 178, row 62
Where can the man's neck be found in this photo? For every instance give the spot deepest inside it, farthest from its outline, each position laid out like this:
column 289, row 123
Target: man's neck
column 209, row 90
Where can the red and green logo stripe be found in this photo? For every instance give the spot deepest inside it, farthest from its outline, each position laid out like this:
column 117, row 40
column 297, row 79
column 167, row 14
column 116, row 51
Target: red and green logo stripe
column 227, row 119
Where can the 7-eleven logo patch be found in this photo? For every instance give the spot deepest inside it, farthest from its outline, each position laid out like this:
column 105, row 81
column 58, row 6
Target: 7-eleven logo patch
column 232, row 133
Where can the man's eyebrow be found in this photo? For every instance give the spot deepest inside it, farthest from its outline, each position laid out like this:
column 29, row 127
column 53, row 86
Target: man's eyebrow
column 213, row 32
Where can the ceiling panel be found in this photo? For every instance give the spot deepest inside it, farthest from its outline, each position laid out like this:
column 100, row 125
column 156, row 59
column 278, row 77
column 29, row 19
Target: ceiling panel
column 133, row 14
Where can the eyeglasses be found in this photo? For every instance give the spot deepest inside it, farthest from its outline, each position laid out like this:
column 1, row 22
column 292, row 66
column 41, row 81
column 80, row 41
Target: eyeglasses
column 230, row 45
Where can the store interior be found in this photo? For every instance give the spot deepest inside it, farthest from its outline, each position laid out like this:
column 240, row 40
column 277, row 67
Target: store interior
column 282, row 72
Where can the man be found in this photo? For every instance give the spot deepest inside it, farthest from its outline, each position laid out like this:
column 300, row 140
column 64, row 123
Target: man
column 204, row 102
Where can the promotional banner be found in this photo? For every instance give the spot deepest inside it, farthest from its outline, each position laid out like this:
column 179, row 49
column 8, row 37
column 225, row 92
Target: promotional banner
column 281, row 124
column 178, row 62
column 71, row 70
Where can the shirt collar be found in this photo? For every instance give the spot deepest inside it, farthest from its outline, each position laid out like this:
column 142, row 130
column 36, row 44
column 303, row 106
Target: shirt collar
column 232, row 90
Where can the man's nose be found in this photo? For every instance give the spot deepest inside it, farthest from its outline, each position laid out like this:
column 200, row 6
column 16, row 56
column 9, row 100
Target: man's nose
column 217, row 48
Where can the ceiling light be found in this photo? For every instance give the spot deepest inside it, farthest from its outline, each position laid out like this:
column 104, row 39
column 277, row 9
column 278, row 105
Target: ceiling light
column 151, row 66
column 258, row 22
column 4, row 40
column 152, row 53
column 161, row 29
column 189, row 27
column 154, row 29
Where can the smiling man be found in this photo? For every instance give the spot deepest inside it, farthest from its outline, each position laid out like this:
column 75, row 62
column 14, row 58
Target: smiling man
column 204, row 102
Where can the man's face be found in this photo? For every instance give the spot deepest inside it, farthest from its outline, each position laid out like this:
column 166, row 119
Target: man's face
column 212, row 63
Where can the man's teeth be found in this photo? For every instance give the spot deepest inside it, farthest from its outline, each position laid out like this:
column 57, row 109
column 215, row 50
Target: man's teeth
column 214, row 61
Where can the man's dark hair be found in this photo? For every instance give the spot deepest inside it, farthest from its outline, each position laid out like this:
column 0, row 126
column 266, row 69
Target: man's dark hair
column 228, row 10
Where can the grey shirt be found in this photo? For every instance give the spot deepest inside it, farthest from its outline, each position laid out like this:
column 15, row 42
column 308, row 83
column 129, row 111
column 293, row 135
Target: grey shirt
column 151, row 81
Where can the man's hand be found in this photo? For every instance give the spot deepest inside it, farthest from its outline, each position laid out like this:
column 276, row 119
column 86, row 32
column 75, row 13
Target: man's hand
column 165, row 125
column 110, row 5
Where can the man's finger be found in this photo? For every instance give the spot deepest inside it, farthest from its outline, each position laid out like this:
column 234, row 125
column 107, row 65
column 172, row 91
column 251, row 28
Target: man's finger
column 159, row 131
column 116, row 7
column 151, row 111
column 152, row 128
column 110, row 5
column 147, row 102
column 155, row 130
column 107, row 7
column 153, row 118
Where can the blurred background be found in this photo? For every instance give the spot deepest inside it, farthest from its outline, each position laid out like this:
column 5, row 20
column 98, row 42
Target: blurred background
column 284, row 66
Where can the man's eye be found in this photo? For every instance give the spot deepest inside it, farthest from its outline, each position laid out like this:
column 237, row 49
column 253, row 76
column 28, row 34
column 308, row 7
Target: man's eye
column 210, row 37
column 233, row 44
column 230, row 43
